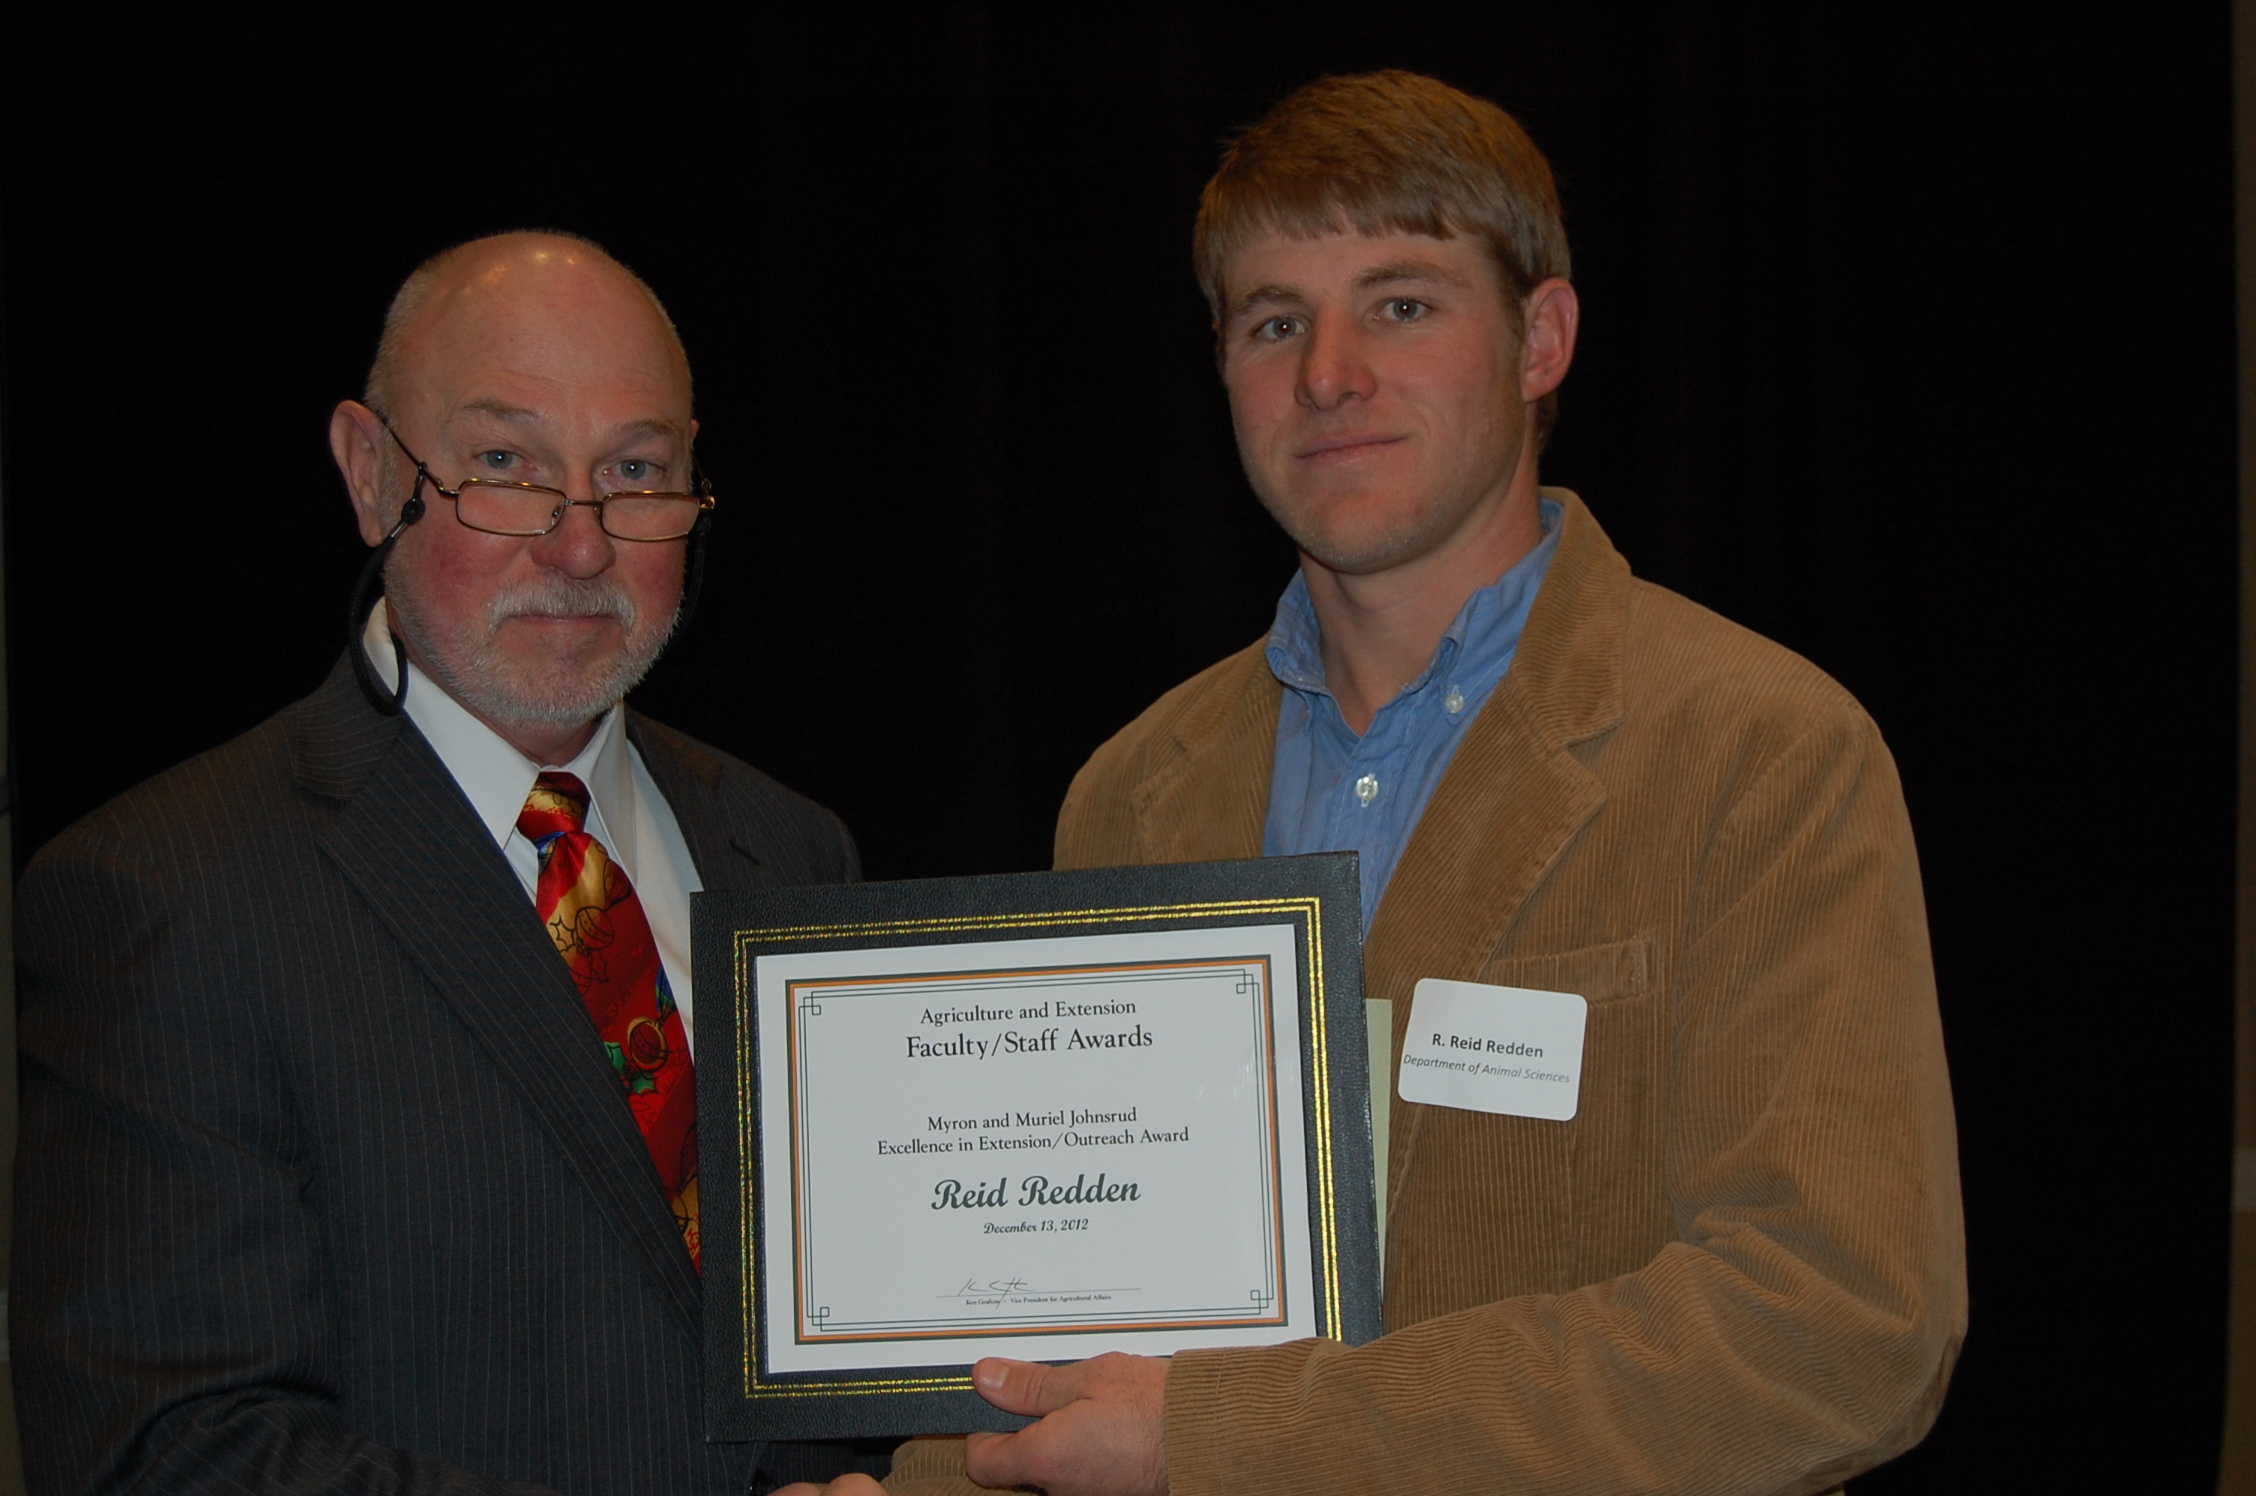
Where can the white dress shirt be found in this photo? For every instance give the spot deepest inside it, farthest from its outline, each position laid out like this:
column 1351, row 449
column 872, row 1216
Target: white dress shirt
column 625, row 811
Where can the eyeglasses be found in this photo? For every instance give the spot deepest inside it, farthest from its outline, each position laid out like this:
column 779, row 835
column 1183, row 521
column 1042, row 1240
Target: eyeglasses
column 529, row 509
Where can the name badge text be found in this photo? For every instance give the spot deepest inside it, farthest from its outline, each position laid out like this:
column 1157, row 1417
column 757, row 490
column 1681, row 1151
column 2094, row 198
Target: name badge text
column 1515, row 1051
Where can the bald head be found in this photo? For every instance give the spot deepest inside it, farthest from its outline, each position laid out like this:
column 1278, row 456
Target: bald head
column 506, row 277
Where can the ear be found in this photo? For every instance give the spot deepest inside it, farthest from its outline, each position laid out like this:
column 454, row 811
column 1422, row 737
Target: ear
column 362, row 450
column 1551, row 314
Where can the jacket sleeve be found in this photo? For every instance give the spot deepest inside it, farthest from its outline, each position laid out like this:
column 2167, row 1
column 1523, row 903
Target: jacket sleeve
column 1803, row 1324
column 172, row 1327
column 931, row 1467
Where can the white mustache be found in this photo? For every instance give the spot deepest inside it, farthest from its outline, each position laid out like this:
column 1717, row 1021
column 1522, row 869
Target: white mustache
column 563, row 597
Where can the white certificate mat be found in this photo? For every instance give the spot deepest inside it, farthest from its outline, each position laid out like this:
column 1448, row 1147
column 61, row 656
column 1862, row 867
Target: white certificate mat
column 1045, row 1148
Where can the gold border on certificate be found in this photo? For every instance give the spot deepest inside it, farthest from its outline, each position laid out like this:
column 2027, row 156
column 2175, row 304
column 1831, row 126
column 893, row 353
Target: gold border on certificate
column 1307, row 912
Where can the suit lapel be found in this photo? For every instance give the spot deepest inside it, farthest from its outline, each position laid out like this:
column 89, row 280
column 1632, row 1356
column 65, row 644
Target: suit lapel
column 690, row 779
column 1503, row 815
column 1206, row 799
column 1513, row 798
column 410, row 844
column 1511, row 801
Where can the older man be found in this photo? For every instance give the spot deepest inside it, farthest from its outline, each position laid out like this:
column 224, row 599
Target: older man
column 359, row 1134
column 1738, row 1267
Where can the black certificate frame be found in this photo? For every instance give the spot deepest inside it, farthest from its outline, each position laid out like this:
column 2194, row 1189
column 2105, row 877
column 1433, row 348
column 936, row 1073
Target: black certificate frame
column 1319, row 896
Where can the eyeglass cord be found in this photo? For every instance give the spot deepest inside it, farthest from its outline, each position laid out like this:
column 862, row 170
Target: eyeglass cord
column 363, row 602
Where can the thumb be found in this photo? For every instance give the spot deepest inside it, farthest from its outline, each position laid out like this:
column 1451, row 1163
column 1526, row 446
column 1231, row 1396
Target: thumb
column 1025, row 1387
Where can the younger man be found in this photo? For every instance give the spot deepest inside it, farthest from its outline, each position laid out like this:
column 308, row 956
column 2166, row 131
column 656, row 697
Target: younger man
column 1739, row 1268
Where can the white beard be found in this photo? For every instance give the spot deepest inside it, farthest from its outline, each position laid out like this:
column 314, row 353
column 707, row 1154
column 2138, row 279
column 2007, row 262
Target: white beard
column 552, row 693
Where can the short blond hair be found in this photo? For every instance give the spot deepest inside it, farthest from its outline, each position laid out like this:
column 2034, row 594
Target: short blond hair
column 1387, row 153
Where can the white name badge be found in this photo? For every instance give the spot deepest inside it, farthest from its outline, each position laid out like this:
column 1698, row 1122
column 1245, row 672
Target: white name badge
column 1511, row 1050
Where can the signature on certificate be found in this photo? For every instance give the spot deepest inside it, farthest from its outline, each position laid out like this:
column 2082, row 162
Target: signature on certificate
column 986, row 1288
column 975, row 1288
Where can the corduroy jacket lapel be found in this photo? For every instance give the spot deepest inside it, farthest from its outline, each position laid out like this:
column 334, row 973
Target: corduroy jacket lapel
column 1477, row 854
column 1207, row 797
column 1513, row 798
column 409, row 843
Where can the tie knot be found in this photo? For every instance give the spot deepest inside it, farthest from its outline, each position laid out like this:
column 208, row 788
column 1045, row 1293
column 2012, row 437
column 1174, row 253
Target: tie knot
column 557, row 804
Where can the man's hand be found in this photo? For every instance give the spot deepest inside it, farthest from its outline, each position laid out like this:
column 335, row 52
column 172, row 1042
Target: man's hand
column 845, row 1485
column 1101, row 1434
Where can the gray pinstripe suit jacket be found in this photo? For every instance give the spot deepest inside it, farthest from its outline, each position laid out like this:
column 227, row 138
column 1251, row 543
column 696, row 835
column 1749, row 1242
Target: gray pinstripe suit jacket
column 325, row 1182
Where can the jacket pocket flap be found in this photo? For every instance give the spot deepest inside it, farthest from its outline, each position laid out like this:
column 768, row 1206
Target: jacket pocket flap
column 1613, row 972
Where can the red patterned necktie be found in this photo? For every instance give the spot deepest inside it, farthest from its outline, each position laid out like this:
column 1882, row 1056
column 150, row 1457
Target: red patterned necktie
column 598, row 925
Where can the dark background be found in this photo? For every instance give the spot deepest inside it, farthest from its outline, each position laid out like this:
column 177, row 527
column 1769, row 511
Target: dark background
column 1908, row 342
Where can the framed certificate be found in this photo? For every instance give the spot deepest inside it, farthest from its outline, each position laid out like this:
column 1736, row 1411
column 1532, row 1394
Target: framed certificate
column 1044, row 1116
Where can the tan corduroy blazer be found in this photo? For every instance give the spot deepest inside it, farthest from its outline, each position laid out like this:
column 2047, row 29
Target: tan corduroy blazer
column 1740, row 1267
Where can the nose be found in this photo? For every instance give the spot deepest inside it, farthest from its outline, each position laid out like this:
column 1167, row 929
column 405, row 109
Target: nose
column 578, row 546
column 1333, row 369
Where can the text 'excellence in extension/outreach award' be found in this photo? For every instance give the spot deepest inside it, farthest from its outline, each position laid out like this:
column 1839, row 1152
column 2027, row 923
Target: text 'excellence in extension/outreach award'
column 1043, row 1115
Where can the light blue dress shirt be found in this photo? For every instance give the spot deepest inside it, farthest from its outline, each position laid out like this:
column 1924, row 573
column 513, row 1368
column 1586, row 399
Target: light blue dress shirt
column 1333, row 791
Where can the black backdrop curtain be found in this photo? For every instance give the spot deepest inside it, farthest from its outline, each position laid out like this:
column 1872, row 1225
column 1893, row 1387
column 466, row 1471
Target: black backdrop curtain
column 1908, row 343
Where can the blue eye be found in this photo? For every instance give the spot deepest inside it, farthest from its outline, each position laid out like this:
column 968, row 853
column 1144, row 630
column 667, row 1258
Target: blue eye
column 1406, row 309
column 496, row 462
column 636, row 469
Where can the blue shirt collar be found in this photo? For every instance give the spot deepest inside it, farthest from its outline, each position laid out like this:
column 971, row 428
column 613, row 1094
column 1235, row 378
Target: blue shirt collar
column 1482, row 637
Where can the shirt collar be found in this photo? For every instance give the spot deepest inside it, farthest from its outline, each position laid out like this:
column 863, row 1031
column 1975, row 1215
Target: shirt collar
column 493, row 775
column 1296, row 640
column 1490, row 620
